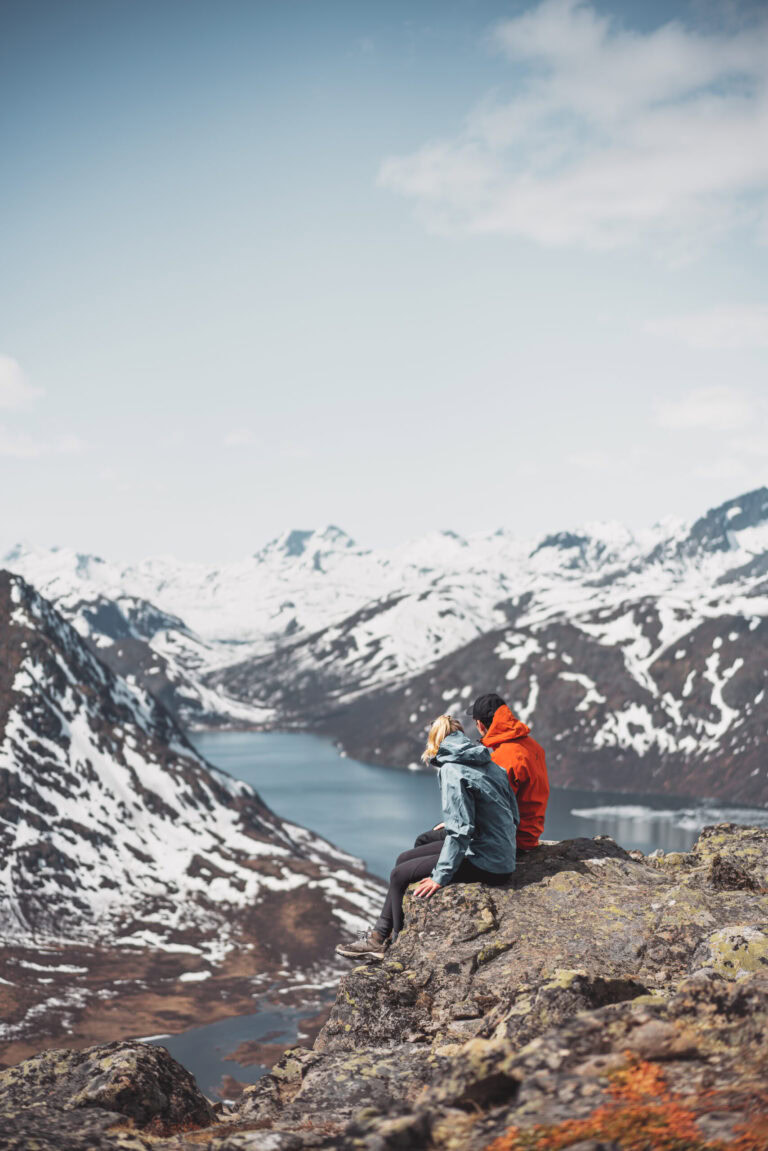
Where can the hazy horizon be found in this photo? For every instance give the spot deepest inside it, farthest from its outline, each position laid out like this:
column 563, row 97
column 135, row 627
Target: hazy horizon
column 664, row 523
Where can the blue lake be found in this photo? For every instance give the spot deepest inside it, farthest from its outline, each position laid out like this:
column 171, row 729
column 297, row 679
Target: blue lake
column 376, row 812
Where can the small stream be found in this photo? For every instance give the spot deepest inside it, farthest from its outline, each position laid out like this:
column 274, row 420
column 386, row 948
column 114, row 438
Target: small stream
column 208, row 1051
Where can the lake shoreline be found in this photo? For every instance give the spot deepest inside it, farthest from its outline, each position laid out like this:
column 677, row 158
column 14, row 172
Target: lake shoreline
column 668, row 797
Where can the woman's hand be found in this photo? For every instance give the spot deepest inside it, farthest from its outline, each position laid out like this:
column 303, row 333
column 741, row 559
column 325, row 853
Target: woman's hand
column 438, row 827
column 426, row 888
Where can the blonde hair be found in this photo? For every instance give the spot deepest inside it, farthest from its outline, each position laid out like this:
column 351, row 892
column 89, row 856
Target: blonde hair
column 444, row 725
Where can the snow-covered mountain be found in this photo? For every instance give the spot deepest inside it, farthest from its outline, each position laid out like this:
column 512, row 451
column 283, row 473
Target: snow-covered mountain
column 112, row 827
column 640, row 661
column 638, row 657
column 296, row 582
column 405, row 607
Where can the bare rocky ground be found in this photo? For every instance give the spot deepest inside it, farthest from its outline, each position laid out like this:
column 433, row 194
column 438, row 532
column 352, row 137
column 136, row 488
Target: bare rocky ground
column 602, row 1000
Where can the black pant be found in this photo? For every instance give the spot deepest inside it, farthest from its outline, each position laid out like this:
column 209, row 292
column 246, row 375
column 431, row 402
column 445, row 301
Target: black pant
column 418, row 863
column 430, row 837
column 439, row 835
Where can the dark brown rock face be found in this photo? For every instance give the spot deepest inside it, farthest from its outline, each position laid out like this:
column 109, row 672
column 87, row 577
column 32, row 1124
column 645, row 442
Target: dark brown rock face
column 72, row 1099
column 602, row 1000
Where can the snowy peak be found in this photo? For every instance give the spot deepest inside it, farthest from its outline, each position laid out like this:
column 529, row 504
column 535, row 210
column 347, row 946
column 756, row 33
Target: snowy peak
column 313, row 545
column 720, row 528
column 295, row 543
column 80, row 565
column 640, row 657
column 595, row 548
column 574, row 548
column 436, row 551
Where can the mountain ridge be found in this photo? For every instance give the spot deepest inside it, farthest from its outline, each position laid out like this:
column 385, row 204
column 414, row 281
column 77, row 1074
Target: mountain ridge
column 314, row 626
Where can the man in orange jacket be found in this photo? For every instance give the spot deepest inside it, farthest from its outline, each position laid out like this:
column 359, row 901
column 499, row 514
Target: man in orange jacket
column 512, row 748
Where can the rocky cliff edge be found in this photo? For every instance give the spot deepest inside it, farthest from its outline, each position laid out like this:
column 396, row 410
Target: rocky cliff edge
column 603, row 1000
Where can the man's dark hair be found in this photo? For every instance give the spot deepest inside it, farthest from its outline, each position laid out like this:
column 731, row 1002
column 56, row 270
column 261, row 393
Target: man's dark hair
column 485, row 707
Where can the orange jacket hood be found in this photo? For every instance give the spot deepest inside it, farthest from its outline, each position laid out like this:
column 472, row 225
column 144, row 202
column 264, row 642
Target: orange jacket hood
column 504, row 727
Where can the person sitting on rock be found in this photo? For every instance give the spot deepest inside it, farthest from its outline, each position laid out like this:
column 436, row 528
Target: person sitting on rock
column 511, row 747
column 481, row 817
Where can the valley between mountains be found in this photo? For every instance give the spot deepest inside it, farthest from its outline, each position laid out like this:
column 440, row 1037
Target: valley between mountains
column 639, row 658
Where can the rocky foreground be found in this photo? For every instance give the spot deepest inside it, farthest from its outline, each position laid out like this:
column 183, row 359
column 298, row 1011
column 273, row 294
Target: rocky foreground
column 603, row 1000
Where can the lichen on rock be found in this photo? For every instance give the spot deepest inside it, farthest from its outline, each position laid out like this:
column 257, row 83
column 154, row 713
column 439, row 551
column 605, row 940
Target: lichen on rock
column 735, row 952
column 597, row 992
column 72, row 1099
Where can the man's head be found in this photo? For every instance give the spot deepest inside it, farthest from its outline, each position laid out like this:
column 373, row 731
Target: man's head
column 484, row 709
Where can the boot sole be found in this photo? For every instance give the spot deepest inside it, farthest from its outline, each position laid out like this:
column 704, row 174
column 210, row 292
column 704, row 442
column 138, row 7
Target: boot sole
column 360, row 954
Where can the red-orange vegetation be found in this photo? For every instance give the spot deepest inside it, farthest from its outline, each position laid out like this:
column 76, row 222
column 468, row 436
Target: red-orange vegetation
column 643, row 1115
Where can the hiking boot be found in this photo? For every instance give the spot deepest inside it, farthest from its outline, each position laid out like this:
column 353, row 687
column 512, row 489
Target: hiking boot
column 366, row 946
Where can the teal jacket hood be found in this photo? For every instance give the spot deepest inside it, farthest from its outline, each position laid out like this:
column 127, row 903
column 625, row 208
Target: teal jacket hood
column 457, row 748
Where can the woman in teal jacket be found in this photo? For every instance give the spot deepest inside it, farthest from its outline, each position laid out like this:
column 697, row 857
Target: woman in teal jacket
column 481, row 818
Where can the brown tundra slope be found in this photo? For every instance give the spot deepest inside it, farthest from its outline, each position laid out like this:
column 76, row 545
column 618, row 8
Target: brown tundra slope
column 602, row 1000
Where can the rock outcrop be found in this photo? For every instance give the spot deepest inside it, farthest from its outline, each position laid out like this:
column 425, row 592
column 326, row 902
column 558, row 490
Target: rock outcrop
column 602, row 1000
column 70, row 1099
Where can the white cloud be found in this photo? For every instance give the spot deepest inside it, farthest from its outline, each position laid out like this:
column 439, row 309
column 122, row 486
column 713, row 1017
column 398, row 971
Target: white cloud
column 737, row 458
column 68, row 445
column 591, row 461
column 722, row 468
column 15, row 390
column 751, row 445
column 22, row 446
column 719, row 409
column 735, row 328
column 16, row 393
column 240, row 438
column 613, row 135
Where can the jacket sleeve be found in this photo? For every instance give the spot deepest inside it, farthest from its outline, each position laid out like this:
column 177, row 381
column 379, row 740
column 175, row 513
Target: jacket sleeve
column 459, row 815
column 518, row 770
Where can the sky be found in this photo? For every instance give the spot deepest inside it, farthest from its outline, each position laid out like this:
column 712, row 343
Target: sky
column 395, row 266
